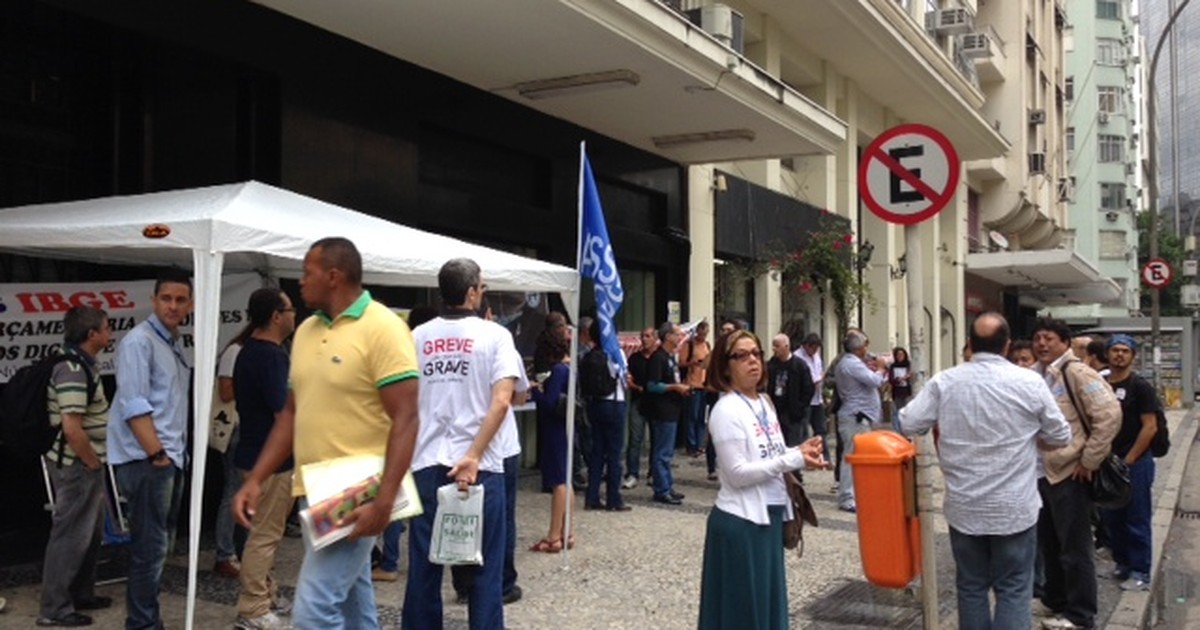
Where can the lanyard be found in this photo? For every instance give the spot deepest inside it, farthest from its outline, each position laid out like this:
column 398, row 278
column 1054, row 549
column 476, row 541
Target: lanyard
column 760, row 414
column 172, row 345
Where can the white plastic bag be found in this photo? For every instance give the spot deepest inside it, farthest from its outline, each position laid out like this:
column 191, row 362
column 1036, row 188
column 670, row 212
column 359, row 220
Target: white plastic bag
column 457, row 526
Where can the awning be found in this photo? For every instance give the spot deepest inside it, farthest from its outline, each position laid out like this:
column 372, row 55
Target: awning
column 893, row 61
column 1046, row 277
column 632, row 70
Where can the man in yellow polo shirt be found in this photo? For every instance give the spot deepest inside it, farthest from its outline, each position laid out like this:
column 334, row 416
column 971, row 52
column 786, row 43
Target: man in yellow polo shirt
column 353, row 391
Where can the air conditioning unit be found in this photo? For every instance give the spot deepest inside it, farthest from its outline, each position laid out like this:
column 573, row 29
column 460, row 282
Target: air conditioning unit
column 1111, row 216
column 1037, row 116
column 1066, row 189
column 723, row 23
column 1135, row 60
column 976, row 45
column 950, row 21
column 1037, row 163
column 1130, row 168
column 1102, row 118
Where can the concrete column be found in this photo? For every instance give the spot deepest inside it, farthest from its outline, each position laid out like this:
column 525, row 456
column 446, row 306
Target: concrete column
column 701, row 213
column 768, row 306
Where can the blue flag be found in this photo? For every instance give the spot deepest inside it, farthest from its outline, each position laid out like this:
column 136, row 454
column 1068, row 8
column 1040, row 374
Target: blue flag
column 596, row 261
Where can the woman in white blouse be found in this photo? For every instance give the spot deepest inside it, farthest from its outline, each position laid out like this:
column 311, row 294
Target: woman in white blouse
column 743, row 583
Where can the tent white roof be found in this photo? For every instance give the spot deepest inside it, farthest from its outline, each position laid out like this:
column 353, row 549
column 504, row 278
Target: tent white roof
column 248, row 226
column 256, row 227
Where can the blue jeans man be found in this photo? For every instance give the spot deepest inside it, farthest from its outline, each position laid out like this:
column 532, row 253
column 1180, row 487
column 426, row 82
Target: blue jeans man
column 693, row 412
column 662, row 443
column 334, row 587
column 423, row 595
column 461, row 579
column 608, row 431
column 152, row 494
column 1000, row 564
column 1129, row 527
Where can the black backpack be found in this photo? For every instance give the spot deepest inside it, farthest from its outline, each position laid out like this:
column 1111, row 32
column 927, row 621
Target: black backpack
column 26, row 429
column 595, row 381
column 1162, row 437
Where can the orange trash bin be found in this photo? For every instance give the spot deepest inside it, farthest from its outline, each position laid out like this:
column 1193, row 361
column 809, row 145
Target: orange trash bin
column 889, row 534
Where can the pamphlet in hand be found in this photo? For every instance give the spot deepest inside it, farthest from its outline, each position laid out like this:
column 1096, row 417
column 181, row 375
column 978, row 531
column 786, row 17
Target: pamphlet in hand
column 337, row 487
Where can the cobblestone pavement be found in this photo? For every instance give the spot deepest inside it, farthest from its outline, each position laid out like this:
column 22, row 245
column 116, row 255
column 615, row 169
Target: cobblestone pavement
column 635, row 569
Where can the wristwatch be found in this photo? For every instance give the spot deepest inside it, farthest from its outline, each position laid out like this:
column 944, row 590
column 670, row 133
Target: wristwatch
column 161, row 454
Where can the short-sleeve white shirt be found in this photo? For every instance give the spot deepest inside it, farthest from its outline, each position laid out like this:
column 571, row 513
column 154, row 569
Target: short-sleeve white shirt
column 460, row 360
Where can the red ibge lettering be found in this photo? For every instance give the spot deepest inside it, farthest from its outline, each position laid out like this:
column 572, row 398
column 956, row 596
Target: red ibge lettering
column 449, row 344
column 117, row 299
column 52, row 303
column 85, row 298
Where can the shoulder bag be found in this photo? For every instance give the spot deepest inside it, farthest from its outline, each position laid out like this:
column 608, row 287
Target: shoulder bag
column 1111, row 487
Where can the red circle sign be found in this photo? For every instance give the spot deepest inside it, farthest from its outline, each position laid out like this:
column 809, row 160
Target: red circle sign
column 908, row 174
column 1157, row 273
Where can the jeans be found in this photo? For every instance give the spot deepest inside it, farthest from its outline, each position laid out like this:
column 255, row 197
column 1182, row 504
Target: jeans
column 70, row 565
column 1066, row 540
column 459, row 575
column 662, row 442
column 389, row 559
column 258, row 561
column 1129, row 527
column 795, row 430
column 637, row 435
column 423, row 594
column 1003, row 564
column 227, row 548
column 152, row 494
column 816, row 421
column 608, row 429
column 848, row 427
column 334, row 590
column 693, row 416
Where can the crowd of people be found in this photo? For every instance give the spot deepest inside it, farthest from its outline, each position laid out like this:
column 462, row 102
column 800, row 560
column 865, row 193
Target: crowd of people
column 1022, row 427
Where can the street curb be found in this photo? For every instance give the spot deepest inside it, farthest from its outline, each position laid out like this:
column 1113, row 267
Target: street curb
column 1133, row 609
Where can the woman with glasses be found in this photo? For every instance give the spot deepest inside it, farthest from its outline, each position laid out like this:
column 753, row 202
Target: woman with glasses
column 743, row 584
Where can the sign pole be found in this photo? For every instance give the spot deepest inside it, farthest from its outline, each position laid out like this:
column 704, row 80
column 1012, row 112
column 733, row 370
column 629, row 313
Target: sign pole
column 917, row 345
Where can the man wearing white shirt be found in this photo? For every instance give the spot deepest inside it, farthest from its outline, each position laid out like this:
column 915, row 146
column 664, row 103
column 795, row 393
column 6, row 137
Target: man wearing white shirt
column 810, row 353
column 469, row 367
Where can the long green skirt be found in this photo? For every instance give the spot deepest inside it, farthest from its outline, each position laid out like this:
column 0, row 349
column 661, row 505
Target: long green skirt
column 744, row 585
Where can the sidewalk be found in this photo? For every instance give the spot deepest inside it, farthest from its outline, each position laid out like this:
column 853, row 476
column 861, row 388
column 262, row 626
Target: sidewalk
column 633, row 569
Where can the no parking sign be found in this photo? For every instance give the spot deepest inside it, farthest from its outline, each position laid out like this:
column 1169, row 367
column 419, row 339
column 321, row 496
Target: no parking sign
column 908, row 174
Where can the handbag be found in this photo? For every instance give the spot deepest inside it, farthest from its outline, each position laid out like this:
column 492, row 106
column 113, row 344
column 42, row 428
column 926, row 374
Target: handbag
column 802, row 512
column 1111, row 487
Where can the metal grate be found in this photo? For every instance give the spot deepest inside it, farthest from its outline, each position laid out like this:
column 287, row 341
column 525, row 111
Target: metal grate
column 1191, row 515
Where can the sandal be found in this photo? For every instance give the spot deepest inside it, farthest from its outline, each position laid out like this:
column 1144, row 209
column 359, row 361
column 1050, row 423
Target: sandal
column 546, row 545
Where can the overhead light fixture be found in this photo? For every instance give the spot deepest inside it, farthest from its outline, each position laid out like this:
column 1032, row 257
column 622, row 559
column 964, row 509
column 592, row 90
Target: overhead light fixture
column 577, row 84
column 666, row 142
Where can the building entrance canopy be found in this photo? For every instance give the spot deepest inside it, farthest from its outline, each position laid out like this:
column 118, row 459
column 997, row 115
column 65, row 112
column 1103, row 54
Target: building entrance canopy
column 632, row 70
column 1047, row 277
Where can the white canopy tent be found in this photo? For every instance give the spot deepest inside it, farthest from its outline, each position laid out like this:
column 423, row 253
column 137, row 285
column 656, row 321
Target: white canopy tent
column 243, row 227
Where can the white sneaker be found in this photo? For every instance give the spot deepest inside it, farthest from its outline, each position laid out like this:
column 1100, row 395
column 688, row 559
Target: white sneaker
column 1059, row 623
column 1135, row 584
column 269, row 621
column 629, row 482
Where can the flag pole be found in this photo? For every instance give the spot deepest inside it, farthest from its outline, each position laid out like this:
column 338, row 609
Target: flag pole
column 573, row 313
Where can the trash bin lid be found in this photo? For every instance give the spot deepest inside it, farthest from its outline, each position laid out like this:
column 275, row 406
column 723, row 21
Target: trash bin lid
column 881, row 447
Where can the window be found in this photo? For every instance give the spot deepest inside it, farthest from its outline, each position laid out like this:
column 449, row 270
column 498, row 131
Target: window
column 1070, row 139
column 1112, row 196
column 1109, row 51
column 1108, row 9
column 1069, row 88
column 1111, row 98
column 1112, row 148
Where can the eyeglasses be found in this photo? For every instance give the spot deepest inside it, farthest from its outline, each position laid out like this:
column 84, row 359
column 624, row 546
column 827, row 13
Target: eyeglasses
column 742, row 355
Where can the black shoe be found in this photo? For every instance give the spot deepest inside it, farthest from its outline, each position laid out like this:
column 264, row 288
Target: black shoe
column 514, row 595
column 668, row 499
column 676, row 495
column 588, row 507
column 72, row 620
column 99, row 602
column 619, row 508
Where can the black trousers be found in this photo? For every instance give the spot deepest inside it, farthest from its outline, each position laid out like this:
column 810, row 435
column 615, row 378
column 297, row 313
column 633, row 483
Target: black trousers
column 1065, row 537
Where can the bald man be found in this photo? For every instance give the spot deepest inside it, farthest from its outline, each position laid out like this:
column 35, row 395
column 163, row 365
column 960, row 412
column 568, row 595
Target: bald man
column 790, row 385
column 992, row 499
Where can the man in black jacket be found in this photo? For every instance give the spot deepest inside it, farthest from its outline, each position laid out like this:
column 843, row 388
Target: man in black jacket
column 790, row 385
column 661, row 405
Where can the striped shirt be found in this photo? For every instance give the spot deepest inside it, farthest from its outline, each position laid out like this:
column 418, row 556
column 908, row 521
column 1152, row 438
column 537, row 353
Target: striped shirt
column 67, row 394
column 990, row 414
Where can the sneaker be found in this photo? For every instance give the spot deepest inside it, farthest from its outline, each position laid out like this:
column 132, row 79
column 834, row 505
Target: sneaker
column 1060, row 623
column 97, row 602
column 269, row 621
column 69, row 620
column 1135, row 583
column 668, row 499
column 514, row 595
column 1119, row 574
column 379, row 575
column 629, row 482
column 1042, row 610
column 676, row 495
column 712, row 476
column 849, row 507
column 227, row 568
